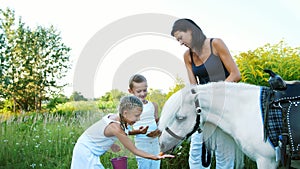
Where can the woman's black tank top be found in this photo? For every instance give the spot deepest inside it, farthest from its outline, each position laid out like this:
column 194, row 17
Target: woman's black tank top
column 212, row 70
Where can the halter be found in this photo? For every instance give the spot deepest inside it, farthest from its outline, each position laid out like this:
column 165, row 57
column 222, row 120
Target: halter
column 196, row 127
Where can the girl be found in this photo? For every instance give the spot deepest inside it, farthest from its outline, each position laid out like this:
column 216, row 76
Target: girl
column 98, row 138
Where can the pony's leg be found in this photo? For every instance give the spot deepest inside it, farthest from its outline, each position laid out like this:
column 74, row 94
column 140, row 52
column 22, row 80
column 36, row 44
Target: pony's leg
column 263, row 163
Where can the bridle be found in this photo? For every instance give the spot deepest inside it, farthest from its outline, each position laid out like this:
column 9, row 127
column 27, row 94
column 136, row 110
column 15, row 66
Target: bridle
column 196, row 127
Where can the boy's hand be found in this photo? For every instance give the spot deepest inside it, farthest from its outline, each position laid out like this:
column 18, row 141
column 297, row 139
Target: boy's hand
column 154, row 133
column 143, row 130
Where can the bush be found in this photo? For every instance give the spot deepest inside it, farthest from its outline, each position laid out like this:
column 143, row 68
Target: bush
column 280, row 58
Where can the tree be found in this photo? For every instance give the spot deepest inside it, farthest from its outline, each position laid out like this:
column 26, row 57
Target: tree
column 281, row 58
column 179, row 84
column 113, row 95
column 32, row 60
column 77, row 96
column 158, row 97
column 110, row 100
column 55, row 100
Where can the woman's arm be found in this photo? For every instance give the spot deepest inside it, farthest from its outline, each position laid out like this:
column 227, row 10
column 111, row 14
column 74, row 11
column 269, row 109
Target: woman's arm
column 222, row 51
column 188, row 65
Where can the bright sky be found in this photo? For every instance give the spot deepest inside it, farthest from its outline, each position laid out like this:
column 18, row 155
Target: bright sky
column 243, row 25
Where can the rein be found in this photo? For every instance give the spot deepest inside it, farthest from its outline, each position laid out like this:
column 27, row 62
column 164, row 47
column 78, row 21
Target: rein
column 173, row 134
column 196, row 127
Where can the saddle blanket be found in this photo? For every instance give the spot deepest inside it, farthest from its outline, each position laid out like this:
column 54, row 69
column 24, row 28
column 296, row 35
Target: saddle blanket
column 274, row 119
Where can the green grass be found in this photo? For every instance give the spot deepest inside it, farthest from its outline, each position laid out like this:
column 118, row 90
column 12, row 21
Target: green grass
column 47, row 140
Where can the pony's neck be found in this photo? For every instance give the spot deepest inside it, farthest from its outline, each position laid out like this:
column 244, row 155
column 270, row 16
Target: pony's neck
column 222, row 102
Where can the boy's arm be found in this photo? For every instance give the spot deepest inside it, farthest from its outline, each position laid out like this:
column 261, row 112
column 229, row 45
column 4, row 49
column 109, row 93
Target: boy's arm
column 156, row 132
column 155, row 111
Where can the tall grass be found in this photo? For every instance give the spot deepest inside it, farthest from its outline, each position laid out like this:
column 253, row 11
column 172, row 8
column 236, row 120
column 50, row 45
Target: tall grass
column 47, row 141
column 38, row 141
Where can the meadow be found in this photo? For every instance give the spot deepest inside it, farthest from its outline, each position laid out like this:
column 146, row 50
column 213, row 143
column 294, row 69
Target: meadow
column 46, row 140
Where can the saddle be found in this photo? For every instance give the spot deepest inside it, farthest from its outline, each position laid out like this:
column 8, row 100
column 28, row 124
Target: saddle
column 286, row 97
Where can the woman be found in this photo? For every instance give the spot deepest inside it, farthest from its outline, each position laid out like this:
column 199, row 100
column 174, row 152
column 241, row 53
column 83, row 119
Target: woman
column 206, row 60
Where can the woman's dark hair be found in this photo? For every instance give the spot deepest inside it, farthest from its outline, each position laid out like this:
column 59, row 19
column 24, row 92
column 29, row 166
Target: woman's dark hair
column 184, row 25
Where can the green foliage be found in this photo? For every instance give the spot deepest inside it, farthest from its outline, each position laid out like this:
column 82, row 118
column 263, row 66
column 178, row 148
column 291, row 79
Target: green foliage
column 47, row 140
column 76, row 108
column 57, row 99
column 280, row 58
column 179, row 84
column 31, row 62
column 77, row 96
column 114, row 95
column 38, row 141
column 110, row 101
column 181, row 157
column 158, row 97
column 107, row 105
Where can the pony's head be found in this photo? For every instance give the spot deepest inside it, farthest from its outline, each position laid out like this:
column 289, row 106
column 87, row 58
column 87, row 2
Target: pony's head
column 178, row 119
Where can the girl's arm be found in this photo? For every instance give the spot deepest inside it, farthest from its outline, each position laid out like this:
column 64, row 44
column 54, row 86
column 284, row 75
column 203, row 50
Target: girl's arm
column 114, row 129
column 156, row 132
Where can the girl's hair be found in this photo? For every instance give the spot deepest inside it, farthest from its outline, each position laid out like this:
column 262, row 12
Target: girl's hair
column 128, row 103
column 137, row 78
column 198, row 36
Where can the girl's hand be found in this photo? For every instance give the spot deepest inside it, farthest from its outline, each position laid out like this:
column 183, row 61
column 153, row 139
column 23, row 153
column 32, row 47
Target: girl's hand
column 161, row 155
column 115, row 148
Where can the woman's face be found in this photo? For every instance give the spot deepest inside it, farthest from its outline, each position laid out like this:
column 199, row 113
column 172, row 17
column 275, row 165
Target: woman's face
column 184, row 38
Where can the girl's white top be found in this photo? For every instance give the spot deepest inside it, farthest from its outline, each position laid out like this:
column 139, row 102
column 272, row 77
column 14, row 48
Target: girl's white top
column 95, row 139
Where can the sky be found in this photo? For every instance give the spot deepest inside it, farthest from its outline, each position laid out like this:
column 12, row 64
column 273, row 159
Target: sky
column 110, row 41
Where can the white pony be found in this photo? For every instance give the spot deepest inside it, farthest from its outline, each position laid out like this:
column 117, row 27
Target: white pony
column 233, row 107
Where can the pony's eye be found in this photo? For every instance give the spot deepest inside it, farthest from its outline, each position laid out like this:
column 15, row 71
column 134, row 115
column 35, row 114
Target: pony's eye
column 180, row 117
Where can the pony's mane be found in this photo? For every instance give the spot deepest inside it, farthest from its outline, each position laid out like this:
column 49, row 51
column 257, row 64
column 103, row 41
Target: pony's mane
column 171, row 106
column 230, row 85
